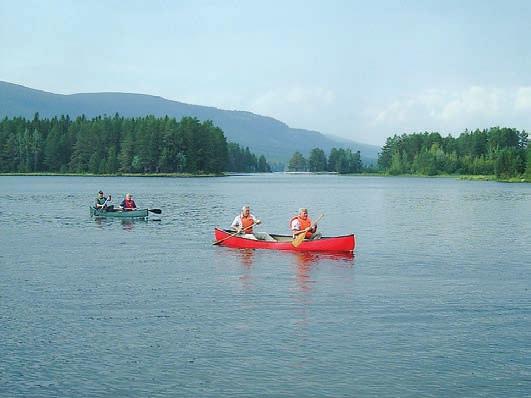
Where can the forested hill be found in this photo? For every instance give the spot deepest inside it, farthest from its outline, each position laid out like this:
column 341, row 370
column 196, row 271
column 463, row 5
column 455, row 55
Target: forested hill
column 263, row 135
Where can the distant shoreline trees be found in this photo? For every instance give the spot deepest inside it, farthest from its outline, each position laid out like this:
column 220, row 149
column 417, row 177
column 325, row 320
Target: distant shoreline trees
column 496, row 151
column 110, row 145
column 342, row 161
column 243, row 160
column 499, row 151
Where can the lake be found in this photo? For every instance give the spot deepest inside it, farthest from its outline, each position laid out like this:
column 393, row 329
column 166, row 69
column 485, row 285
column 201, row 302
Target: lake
column 435, row 301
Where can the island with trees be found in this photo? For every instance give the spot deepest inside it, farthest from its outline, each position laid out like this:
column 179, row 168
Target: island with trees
column 119, row 145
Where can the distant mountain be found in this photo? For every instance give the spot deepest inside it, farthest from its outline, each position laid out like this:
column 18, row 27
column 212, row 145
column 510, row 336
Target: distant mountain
column 262, row 134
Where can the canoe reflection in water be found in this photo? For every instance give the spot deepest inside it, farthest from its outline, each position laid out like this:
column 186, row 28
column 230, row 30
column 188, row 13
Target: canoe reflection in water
column 246, row 256
column 302, row 262
column 127, row 224
column 307, row 260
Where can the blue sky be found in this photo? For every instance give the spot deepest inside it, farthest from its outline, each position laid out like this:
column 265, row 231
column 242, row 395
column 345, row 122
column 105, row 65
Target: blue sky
column 359, row 70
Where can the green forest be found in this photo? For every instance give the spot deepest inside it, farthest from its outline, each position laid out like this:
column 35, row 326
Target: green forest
column 502, row 152
column 111, row 145
column 496, row 151
column 342, row 161
column 145, row 145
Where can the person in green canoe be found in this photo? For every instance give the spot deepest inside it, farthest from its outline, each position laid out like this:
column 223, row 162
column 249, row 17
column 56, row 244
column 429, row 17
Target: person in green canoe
column 100, row 201
column 108, row 205
column 128, row 203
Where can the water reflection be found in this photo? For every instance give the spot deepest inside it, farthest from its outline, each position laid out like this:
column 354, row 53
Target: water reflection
column 307, row 260
column 304, row 262
column 246, row 258
column 304, row 267
column 128, row 224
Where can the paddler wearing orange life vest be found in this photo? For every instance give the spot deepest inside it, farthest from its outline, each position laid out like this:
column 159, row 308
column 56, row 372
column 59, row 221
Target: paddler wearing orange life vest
column 300, row 222
column 245, row 221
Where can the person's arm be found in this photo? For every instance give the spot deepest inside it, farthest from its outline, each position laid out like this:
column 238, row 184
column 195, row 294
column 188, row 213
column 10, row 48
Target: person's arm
column 313, row 227
column 134, row 205
column 236, row 224
column 296, row 228
column 256, row 221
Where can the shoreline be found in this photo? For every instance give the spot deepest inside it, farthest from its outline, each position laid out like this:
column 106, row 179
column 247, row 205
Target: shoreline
column 169, row 175
column 521, row 179
column 467, row 177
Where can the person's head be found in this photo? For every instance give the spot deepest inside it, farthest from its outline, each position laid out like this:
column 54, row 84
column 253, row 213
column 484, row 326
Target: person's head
column 246, row 210
column 128, row 196
column 303, row 213
column 100, row 194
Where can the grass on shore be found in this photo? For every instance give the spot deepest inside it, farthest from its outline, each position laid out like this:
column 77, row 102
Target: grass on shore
column 494, row 178
column 469, row 177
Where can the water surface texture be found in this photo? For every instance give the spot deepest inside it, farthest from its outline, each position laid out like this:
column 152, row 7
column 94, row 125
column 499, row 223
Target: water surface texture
column 435, row 301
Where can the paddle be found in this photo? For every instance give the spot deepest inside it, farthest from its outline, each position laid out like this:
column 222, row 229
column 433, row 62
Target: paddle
column 297, row 240
column 156, row 211
column 234, row 234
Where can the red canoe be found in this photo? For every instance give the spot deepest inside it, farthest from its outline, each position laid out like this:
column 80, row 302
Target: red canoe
column 345, row 243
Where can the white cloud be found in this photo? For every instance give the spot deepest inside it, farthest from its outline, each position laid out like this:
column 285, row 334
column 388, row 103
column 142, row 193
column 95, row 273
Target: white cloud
column 294, row 100
column 475, row 101
column 448, row 111
column 523, row 99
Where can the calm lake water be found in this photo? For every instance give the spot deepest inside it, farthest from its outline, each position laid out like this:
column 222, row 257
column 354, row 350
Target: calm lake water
column 435, row 302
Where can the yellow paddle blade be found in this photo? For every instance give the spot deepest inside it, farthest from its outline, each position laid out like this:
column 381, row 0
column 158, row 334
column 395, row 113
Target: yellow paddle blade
column 298, row 239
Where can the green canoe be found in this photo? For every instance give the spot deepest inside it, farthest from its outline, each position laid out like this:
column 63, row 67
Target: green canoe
column 143, row 213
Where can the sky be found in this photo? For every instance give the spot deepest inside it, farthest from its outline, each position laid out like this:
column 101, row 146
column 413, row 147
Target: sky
column 354, row 69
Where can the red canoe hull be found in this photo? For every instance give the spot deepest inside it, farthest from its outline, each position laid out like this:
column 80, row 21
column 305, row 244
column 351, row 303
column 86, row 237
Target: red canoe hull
column 345, row 243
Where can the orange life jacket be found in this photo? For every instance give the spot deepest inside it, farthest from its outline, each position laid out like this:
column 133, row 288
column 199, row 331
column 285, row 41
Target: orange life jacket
column 303, row 223
column 247, row 222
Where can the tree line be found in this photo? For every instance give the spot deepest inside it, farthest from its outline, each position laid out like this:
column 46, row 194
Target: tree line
column 342, row 161
column 109, row 145
column 243, row 160
column 496, row 151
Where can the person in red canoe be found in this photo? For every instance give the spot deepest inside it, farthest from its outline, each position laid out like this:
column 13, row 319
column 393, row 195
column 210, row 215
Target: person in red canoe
column 128, row 203
column 245, row 221
column 301, row 222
